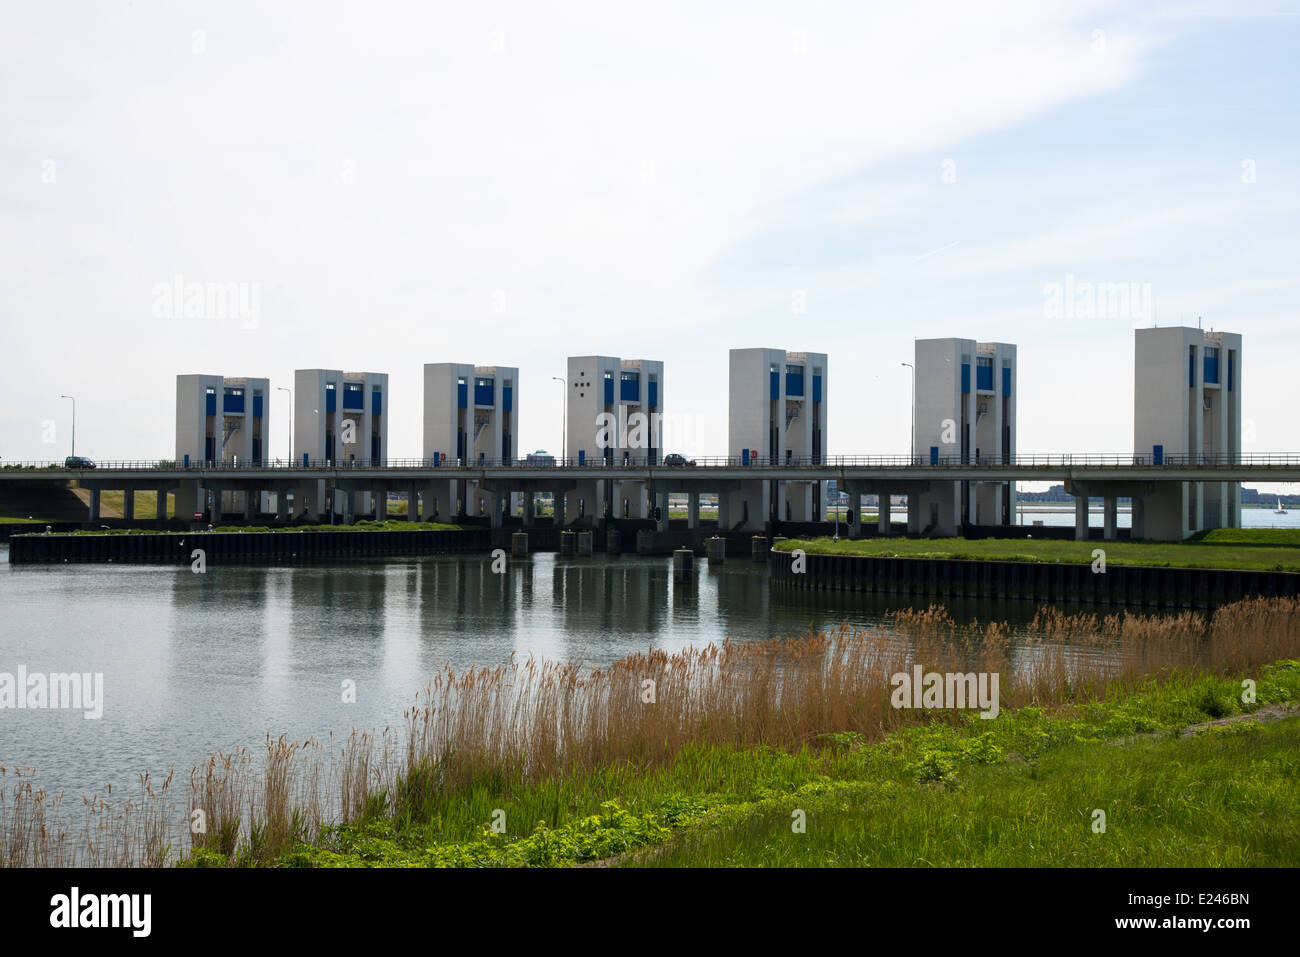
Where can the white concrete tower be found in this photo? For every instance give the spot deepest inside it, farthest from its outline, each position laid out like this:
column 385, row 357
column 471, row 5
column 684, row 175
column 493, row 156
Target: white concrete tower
column 1187, row 408
column 470, row 416
column 964, row 411
column 339, row 417
column 614, row 417
column 777, row 415
column 219, row 420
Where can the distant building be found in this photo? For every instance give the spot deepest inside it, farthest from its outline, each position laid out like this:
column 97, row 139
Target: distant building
column 1187, row 408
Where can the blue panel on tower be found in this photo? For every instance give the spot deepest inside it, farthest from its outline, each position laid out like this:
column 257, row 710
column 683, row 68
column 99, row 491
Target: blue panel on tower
column 232, row 403
column 257, row 406
column 965, row 378
column 462, row 395
column 210, row 406
column 794, row 383
column 377, row 402
column 609, row 391
column 817, row 388
column 1229, row 371
column 507, row 397
column 1006, row 381
column 776, row 385
column 654, row 395
column 629, row 390
column 331, row 403
column 1212, row 369
column 484, row 394
column 354, row 399
column 984, row 378
column 1191, row 370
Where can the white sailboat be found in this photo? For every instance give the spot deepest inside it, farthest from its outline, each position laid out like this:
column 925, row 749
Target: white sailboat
column 1279, row 510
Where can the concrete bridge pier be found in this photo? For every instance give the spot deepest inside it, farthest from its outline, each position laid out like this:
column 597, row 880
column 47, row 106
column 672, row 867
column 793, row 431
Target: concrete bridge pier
column 160, row 509
column 883, row 513
column 128, row 504
column 692, row 510
column 380, row 499
column 94, row 505
column 282, row 503
column 1110, row 520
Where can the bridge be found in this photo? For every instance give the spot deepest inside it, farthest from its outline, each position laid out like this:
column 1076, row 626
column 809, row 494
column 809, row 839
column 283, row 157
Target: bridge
column 1163, row 493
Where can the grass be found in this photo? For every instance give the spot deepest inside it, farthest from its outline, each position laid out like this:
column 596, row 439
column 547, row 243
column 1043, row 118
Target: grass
column 361, row 526
column 578, row 764
column 1018, row 791
column 1257, row 549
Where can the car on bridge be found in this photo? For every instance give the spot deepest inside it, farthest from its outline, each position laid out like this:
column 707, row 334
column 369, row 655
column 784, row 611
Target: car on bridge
column 677, row 460
column 78, row 462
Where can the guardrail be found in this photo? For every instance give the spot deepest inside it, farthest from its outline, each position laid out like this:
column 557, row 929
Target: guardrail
column 762, row 463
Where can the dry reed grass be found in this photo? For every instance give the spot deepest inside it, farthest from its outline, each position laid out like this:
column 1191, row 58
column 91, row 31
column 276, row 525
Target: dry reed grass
column 527, row 721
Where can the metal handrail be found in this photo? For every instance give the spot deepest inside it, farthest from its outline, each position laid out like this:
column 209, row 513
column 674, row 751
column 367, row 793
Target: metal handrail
column 758, row 464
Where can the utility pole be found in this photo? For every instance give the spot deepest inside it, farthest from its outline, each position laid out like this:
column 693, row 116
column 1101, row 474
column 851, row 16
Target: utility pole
column 564, row 419
column 74, row 423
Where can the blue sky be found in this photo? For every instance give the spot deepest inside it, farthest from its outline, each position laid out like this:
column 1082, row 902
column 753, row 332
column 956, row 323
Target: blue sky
column 519, row 183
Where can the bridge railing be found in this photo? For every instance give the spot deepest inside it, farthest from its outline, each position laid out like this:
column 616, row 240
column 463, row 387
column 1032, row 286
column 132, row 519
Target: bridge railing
column 758, row 464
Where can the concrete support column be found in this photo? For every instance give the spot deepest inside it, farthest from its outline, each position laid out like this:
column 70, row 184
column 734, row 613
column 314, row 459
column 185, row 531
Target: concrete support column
column 1080, row 517
column 855, row 511
column 160, row 510
column 883, row 517
column 724, row 512
column 661, row 499
column 381, row 503
column 692, row 509
column 94, row 505
column 282, row 503
column 913, row 513
column 250, row 506
column 530, row 508
column 492, row 504
column 559, row 496
column 212, row 494
column 128, row 504
column 1110, row 521
column 1138, row 518
column 413, row 503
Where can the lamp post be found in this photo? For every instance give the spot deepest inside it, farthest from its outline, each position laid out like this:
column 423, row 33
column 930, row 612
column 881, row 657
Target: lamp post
column 911, row 452
column 74, row 423
column 289, row 457
column 564, row 418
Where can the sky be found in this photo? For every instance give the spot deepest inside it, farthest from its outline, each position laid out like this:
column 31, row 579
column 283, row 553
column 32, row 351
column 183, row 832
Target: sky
column 514, row 183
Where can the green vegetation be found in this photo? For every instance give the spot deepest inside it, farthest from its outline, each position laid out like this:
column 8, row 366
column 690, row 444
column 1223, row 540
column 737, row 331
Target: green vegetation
column 361, row 526
column 1016, row 791
column 1258, row 549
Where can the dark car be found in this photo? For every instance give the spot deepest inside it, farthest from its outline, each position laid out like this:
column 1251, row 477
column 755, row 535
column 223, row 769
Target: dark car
column 678, row 460
column 78, row 462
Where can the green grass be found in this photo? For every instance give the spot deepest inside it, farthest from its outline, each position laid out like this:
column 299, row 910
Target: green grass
column 1019, row 790
column 1258, row 549
column 361, row 526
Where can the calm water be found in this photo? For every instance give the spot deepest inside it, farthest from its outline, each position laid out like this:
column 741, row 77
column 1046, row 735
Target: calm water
column 193, row 664
column 198, row 663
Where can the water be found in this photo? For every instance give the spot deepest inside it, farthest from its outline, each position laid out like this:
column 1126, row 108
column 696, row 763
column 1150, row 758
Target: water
column 193, row 664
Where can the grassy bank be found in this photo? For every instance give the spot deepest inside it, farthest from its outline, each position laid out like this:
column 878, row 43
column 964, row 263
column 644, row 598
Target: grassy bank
column 362, row 526
column 1257, row 549
column 582, row 764
column 1021, row 790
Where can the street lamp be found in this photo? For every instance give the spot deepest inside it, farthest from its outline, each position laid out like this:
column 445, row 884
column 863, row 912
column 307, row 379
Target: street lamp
column 74, row 423
column 564, row 418
column 280, row 388
column 911, row 453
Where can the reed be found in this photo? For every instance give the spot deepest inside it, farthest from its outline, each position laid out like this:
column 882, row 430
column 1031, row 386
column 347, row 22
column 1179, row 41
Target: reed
column 523, row 722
